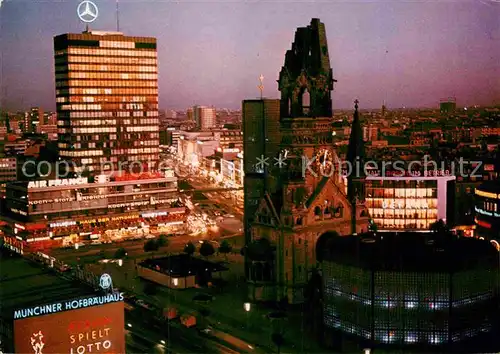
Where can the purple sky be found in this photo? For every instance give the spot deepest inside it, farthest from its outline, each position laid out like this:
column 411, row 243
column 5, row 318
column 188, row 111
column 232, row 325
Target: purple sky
column 212, row 52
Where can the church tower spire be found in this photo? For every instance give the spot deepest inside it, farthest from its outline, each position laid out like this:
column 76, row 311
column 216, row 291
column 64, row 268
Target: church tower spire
column 356, row 160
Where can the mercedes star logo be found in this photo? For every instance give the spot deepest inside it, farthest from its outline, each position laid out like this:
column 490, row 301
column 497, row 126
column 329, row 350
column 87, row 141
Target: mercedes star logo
column 87, row 11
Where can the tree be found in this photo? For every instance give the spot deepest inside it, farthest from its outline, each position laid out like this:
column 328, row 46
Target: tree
column 260, row 250
column 278, row 340
column 7, row 123
column 440, row 227
column 204, row 312
column 225, row 248
column 372, row 227
column 151, row 245
column 163, row 240
column 120, row 253
column 189, row 249
column 206, row 249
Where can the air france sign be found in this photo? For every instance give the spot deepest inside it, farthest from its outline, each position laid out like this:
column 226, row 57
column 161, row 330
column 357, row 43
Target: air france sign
column 67, row 305
column 58, row 182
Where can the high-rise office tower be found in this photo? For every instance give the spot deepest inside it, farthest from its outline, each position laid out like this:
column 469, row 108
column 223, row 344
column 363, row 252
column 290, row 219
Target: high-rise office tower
column 107, row 100
column 33, row 119
column 205, row 117
column 448, row 105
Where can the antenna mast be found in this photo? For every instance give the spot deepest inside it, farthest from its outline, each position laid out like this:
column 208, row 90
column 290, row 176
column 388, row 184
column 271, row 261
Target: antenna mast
column 261, row 86
column 117, row 17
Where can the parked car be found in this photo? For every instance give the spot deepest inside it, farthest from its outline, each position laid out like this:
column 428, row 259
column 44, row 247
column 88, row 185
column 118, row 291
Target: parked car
column 64, row 268
column 188, row 320
column 169, row 313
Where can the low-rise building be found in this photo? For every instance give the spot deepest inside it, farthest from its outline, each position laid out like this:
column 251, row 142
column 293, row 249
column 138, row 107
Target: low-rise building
column 8, row 172
column 53, row 213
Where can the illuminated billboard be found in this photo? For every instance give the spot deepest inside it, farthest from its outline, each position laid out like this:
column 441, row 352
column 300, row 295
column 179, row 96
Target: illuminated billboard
column 71, row 327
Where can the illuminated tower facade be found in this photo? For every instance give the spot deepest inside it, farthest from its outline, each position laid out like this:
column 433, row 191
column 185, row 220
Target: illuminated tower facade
column 307, row 199
column 107, row 101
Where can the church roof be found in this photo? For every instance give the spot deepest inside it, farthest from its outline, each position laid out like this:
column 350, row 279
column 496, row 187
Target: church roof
column 356, row 146
column 316, row 191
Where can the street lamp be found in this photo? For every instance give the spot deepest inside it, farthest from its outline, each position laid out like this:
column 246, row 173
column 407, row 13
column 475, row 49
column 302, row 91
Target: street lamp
column 247, row 307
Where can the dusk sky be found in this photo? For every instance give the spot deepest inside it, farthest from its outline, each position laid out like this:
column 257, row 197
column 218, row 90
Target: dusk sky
column 212, row 52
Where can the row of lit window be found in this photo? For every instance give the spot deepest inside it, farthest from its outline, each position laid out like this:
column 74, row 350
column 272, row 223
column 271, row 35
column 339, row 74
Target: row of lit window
column 105, row 144
column 107, row 68
column 491, row 206
column 135, row 151
column 422, row 301
column 402, row 192
column 130, row 158
column 151, row 53
column 114, row 159
column 106, row 83
column 107, row 91
column 113, row 137
column 81, row 153
column 388, row 335
column 92, row 99
column 81, row 107
column 402, row 183
column 117, row 44
column 93, row 130
column 419, row 224
column 393, row 335
column 392, row 204
column 383, row 319
column 94, row 122
column 106, row 75
column 142, row 129
column 110, row 114
column 105, row 60
column 108, row 107
column 403, row 213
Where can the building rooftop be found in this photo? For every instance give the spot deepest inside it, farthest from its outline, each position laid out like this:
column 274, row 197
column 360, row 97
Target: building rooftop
column 182, row 265
column 26, row 284
column 410, row 252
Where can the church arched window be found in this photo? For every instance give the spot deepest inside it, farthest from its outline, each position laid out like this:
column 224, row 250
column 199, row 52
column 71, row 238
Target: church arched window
column 317, row 212
column 306, row 102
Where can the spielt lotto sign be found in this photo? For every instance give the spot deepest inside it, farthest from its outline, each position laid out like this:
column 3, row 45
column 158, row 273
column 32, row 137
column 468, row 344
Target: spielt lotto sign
column 58, row 182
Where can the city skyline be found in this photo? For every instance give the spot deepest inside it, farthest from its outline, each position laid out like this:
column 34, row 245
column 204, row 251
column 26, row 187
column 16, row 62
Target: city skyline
column 377, row 52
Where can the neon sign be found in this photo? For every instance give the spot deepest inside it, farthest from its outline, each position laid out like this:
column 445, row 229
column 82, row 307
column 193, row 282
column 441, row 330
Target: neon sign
column 58, row 182
column 486, row 194
column 67, row 305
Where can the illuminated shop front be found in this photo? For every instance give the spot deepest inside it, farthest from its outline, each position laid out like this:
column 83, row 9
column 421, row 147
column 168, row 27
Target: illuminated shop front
column 409, row 203
column 379, row 291
column 63, row 212
column 487, row 211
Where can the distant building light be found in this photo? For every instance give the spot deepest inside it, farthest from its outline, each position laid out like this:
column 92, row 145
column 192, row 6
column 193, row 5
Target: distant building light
column 175, row 281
